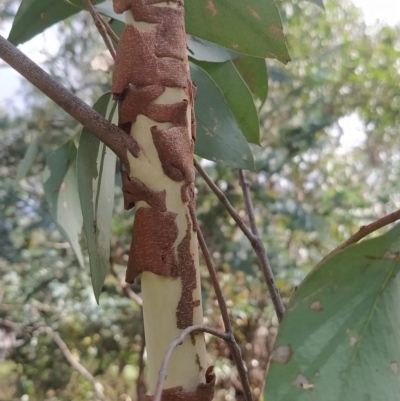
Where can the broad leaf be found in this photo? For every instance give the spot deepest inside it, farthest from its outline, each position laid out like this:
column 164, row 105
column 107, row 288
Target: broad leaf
column 34, row 16
column 61, row 190
column 218, row 135
column 204, row 50
column 237, row 96
column 319, row 3
column 96, row 179
column 339, row 339
column 254, row 72
column 252, row 27
column 29, row 158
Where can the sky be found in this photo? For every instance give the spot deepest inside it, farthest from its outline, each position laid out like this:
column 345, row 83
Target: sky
column 384, row 11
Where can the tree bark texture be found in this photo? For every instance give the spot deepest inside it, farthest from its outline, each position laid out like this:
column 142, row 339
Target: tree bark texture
column 155, row 92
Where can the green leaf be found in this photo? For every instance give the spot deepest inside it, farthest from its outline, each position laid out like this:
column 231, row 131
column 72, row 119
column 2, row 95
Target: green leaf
column 339, row 339
column 29, row 158
column 203, row 50
column 218, row 135
column 254, row 72
column 252, row 27
column 237, row 96
column 319, row 3
column 61, row 190
column 96, row 181
column 34, row 16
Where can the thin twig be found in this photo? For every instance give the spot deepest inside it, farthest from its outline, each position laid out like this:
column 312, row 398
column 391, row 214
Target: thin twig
column 164, row 365
column 115, row 138
column 98, row 388
column 233, row 346
column 125, row 288
column 260, row 250
column 255, row 242
column 100, row 27
column 363, row 232
column 110, row 31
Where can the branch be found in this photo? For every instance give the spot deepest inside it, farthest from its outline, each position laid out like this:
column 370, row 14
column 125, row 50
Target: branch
column 112, row 136
column 100, row 26
column 363, row 232
column 233, row 346
column 164, row 366
column 260, row 250
column 255, row 242
column 110, row 32
column 125, row 288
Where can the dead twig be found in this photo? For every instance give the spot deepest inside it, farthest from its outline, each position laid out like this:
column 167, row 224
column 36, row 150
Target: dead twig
column 233, row 346
column 255, row 242
column 100, row 26
column 363, row 232
column 125, row 287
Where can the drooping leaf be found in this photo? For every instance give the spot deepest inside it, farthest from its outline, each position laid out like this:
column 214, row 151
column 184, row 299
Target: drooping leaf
column 254, row 72
column 34, row 16
column 96, row 179
column 252, row 27
column 29, row 158
column 237, row 96
column 61, row 190
column 218, row 136
column 319, row 3
column 339, row 339
column 203, row 50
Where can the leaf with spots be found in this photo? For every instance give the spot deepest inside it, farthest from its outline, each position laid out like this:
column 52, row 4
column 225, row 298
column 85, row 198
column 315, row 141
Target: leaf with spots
column 339, row 339
column 251, row 27
column 218, row 136
column 35, row 16
column 61, row 190
column 237, row 96
column 96, row 181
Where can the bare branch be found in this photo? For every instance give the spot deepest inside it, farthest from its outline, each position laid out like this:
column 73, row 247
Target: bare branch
column 125, row 288
column 112, row 136
column 110, row 32
column 363, row 232
column 100, row 27
column 260, row 250
column 233, row 346
column 98, row 388
column 164, row 366
column 255, row 242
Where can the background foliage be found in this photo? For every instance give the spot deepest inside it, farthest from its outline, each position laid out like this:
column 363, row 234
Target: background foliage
column 317, row 181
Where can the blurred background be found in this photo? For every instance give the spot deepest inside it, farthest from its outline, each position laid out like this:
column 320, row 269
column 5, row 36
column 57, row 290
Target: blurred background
column 330, row 162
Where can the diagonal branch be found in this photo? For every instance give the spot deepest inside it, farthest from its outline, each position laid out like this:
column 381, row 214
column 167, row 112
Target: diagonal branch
column 112, row 136
column 255, row 242
column 100, row 27
column 233, row 346
column 363, row 232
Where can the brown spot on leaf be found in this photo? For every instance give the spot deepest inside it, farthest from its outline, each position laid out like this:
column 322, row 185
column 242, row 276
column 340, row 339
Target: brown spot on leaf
column 394, row 367
column 254, row 13
column 43, row 15
column 276, row 31
column 302, row 382
column 316, row 305
column 211, row 7
column 282, row 354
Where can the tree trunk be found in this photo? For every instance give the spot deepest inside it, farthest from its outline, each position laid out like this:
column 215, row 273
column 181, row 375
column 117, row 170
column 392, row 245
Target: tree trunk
column 152, row 82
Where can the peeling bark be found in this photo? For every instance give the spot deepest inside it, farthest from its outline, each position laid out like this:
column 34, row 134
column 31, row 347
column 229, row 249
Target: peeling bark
column 152, row 83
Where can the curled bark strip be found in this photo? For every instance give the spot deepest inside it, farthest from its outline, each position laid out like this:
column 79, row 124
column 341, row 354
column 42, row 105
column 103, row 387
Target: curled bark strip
column 135, row 190
column 175, row 150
